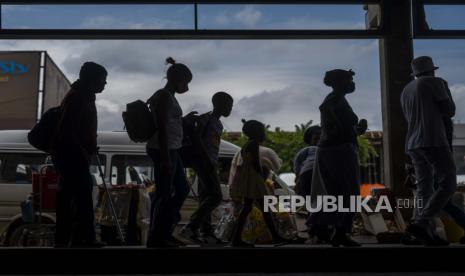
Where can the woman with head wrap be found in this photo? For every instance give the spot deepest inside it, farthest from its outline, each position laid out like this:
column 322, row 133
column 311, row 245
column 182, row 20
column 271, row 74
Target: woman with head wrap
column 172, row 187
column 249, row 185
column 336, row 171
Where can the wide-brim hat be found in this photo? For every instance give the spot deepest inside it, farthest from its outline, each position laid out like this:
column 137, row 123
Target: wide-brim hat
column 422, row 65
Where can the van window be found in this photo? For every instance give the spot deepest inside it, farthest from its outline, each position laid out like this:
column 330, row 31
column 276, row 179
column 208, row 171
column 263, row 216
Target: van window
column 135, row 169
column 18, row 167
column 94, row 168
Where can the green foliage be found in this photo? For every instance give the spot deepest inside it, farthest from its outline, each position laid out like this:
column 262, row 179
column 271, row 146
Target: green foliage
column 365, row 150
column 287, row 144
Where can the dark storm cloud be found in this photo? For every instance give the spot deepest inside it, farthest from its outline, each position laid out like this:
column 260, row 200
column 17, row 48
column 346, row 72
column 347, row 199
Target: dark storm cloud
column 141, row 57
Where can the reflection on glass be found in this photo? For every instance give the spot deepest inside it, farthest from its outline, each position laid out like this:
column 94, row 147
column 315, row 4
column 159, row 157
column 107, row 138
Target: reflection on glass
column 445, row 17
column 283, row 16
column 97, row 16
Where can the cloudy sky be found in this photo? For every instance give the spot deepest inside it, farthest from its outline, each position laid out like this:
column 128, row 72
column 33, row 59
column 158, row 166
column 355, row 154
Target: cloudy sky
column 276, row 81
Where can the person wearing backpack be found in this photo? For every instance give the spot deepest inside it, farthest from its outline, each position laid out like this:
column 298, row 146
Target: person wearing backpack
column 163, row 148
column 74, row 143
column 208, row 130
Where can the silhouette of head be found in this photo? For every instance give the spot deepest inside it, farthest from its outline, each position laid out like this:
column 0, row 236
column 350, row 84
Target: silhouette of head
column 341, row 81
column 222, row 103
column 255, row 130
column 94, row 76
column 178, row 75
column 312, row 135
column 423, row 66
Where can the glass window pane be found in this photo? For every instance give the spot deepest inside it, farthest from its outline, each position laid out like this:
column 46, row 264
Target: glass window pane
column 442, row 17
column 131, row 169
column 97, row 16
column 283, row 16
column 18, row 167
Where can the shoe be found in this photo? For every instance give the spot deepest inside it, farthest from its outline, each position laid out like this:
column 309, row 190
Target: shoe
column 206, row 237
column 176, row 241
column 190, row 233
column 161, row 244
column 344, row 240
column 438, row 241
column 408, row 239
column 281, row 241
column 422, row 234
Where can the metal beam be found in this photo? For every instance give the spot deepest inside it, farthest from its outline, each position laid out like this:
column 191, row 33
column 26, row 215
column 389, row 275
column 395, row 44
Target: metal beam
column 440, row 34
column 189, row 34
column 424, row 33
column 444, row 2
column 61, row 2
column 396, row 53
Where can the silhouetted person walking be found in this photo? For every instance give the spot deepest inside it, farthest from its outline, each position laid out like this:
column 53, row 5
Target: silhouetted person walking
column 428, row 106
column 170, row 180
column 336, row 171
column 208, row 131
column 304, row 161
column 249, row 185
column 74, row 144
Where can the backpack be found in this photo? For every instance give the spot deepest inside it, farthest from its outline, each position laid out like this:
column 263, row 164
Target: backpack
column 138, row 121
column 42, row 134
column 192, row 137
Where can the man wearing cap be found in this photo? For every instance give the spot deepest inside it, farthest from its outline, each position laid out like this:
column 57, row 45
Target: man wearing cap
column 428, row 108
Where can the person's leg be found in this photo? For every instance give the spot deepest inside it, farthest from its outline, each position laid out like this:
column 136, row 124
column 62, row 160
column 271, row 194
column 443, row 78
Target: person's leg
column 63, row 215
column 455, row 212
column 180, row 188
column 161, row 203
column 241, row 220
column 85, row 230
column 270, row 222
column 424, row 176
column 444, row 167
column 210, row 195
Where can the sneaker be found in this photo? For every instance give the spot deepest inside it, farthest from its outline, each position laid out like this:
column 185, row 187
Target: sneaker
column 408, row 239
column 176, row 241
column 210, row 238
column 344, row 240
column 438, row 241
column 421, row 233
column 190, row 233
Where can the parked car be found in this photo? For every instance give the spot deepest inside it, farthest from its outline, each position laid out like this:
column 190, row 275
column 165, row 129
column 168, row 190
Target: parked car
column 124, row 162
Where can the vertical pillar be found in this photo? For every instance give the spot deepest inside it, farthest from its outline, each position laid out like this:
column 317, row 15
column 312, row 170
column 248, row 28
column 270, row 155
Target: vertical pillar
column 396, row 53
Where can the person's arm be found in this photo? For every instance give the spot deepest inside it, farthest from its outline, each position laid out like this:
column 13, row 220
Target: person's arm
column 70, row 123
column 442, row 97
column 299, row 159
column 452, row 103
column 161, row 118
column 362, row 127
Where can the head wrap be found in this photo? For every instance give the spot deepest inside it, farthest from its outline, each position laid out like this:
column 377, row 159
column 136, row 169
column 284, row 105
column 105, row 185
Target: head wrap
column 253, row 129
column 310, row 132
column 336, row 76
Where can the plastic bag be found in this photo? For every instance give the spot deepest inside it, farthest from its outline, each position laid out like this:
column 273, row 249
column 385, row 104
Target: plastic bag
column 227, row 222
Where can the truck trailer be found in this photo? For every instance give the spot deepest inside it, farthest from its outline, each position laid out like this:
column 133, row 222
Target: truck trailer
column 30, row 83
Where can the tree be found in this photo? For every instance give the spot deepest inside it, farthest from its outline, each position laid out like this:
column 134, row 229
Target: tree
column 288, row 143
